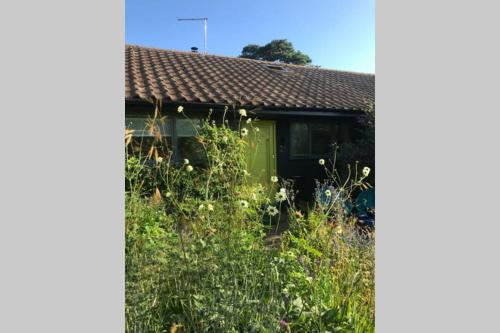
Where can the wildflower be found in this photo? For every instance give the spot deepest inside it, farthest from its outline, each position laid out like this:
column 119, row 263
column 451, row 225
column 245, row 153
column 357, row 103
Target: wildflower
column 225, row 138
column 257, row 129
column 366, row 171
column 284, row 325
column 159, row 160
column 298, row 214
column 186, row 161
column 280, row 196
column 246, row 173
column 189, row 168
column 243, row 204
column 283, row 190
column 210, row 207
column 249, row 120
column 328, row 193
column 201, row 207
column 180, row 109
column 274, row 179
column 309, row 279
column 244, row 132
column 271, row 210
column 168, row 194
column 242, row 112
column 321, row 161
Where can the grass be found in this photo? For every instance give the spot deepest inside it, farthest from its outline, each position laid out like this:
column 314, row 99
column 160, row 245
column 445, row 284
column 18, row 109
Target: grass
column 196, row 254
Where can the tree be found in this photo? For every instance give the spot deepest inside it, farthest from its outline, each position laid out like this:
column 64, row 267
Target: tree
column 277, row 50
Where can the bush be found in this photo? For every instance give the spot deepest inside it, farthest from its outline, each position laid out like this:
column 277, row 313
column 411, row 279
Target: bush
column 197, row 260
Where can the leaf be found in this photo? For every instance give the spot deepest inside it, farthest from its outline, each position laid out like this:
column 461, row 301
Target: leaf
column 329, row 316
column 297, row 303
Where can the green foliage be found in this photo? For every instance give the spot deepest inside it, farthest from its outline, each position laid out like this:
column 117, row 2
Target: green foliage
column 197, row 260
column 277, row 50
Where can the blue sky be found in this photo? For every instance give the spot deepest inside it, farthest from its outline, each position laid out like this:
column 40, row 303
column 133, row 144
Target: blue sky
column 337, row 34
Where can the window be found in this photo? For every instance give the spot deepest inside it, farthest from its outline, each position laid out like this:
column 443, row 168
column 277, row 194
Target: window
column 188, row 145
column 173, row 136
column 312, row 139
column 149, row 135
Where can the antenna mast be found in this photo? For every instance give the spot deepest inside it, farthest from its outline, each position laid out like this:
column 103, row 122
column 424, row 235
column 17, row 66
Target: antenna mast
column 205, row 26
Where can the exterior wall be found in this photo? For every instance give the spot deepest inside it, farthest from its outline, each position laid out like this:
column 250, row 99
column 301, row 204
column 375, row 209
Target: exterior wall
column 303, row 171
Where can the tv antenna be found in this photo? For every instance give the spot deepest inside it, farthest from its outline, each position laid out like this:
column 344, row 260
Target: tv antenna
column 205, row 26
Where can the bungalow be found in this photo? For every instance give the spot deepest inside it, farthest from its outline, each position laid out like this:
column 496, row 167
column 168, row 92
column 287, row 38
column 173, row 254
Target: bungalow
column 302, row 110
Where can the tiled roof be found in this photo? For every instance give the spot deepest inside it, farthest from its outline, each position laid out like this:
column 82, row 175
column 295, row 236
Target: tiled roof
column 187, row 77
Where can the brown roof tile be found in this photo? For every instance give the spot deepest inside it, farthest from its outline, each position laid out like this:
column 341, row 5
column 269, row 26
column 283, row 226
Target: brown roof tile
column 176, row 76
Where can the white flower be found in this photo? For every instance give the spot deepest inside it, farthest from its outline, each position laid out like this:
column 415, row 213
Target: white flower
column 321, row 161
column 186, row 161
column 283, row 190
column 201, row 207
column 274, row 179
column 256, row 129
column 328, row 193
column 242, row 112
column 271, row 210
column 249, row 120
column 189, row 168
column 225, row 138
column 366, row 171
column 280, row 196
column 246, row 173
column 244, row 132
column 168, row 194
column 243, row 204
column 159, row 160
column 180, row 109
column 210, row 207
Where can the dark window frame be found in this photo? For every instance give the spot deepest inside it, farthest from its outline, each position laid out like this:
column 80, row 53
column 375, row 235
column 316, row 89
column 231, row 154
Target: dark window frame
column 310, row 155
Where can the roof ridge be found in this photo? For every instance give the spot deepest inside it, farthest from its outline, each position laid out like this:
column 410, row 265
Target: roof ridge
column 247, row 59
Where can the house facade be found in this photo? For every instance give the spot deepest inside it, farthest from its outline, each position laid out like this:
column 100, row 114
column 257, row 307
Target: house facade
column 301, row 111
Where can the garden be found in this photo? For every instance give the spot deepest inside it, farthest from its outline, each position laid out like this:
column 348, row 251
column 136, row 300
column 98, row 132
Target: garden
column 197, row 256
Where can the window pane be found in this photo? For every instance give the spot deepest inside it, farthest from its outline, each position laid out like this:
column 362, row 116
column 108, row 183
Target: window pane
column 142, row 126
column 188, row 145
column 185, row 127
column 323, row 135
column 190, row 148
column 299, row 139
column 142, row 146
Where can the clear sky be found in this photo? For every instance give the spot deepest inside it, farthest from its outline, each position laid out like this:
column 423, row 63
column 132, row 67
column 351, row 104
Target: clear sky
column 337, row 34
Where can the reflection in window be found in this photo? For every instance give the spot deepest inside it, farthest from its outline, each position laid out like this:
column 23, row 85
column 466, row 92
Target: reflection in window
column 188, row 145
column 310, row 139
column 323, row 137
column 150, row 135
column 299, row 142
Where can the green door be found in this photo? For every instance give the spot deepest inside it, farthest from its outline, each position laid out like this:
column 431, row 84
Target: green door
column 261, row 155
